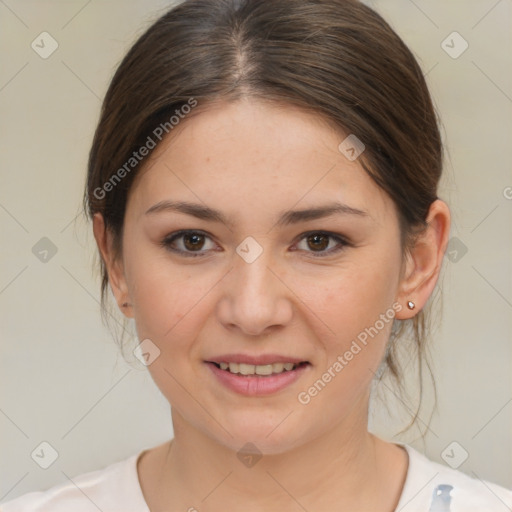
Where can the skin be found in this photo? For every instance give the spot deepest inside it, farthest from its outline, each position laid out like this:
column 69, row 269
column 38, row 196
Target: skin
column 251, row 160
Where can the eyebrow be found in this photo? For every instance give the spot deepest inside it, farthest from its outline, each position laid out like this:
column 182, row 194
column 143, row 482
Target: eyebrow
column 286, row 217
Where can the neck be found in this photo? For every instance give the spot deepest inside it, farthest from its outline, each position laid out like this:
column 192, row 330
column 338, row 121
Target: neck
column 343, row 469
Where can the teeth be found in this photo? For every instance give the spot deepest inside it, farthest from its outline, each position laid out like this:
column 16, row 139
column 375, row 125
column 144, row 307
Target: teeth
column 244, row 369
column 278, row 367
column 251, row 369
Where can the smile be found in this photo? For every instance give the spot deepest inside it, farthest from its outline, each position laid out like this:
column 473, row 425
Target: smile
column 262, row 370
column 257, row 379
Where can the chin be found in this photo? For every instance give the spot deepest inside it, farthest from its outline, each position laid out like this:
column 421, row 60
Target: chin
column 264, row 436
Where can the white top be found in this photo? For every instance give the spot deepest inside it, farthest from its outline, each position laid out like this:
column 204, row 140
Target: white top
column 429, row 487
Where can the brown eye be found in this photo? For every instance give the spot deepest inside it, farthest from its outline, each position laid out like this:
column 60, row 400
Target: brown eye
column 193, row 241
column 318, row 241
column 188, row 243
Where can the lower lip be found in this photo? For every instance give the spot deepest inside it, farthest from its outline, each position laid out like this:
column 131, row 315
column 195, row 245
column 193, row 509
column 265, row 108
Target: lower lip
column 256, row 385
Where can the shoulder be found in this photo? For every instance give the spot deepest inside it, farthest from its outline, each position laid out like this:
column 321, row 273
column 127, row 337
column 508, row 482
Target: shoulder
column 432, row 486
column 114, row 488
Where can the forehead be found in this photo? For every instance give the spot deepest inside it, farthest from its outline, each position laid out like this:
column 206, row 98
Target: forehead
column 251, row 155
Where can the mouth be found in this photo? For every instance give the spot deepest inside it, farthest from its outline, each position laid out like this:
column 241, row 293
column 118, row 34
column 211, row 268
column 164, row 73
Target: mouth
column 263, row 370
column 253, row 380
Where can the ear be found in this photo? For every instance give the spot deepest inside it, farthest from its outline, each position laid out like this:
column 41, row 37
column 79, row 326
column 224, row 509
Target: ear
column 113, row 264
column 424, row 260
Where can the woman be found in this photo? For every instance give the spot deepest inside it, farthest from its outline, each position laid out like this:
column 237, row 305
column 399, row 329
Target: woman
column 263, row 190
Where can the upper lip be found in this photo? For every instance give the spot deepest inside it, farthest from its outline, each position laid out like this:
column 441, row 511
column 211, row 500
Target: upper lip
column 255, row 360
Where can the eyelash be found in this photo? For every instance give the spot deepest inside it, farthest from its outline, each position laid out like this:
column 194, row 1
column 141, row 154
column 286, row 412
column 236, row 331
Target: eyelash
column 168, row 241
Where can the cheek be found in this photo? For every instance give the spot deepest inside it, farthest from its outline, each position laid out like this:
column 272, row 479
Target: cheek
column 353, row 314
column 169, row 310
column 351, row 298
column 352, row 308
column 164, row 295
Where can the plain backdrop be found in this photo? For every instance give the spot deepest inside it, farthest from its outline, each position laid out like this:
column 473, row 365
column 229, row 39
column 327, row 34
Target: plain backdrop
column 63, row 379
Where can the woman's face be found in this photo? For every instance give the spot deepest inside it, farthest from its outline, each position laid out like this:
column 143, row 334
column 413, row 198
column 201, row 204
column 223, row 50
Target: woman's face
column 264, row 281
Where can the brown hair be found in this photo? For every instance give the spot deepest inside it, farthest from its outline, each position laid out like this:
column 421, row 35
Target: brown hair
column 336, row 58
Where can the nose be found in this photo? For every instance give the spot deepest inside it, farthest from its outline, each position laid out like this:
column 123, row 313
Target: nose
column 255, row 299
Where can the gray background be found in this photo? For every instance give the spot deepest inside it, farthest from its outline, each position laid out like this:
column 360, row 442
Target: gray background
column 63, row 380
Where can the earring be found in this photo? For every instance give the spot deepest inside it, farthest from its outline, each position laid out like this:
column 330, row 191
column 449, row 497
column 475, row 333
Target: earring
column 411, row 304
column 125, row 305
